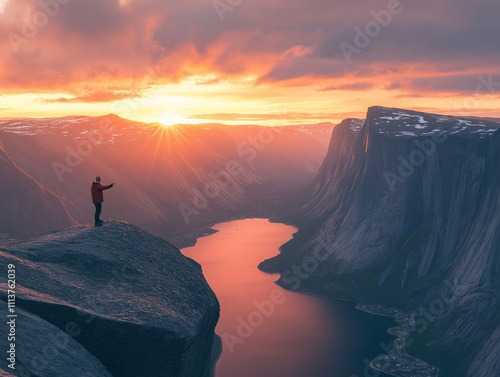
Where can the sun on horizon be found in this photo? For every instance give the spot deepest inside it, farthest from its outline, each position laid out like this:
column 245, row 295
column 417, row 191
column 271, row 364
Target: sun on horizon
column 169, row 119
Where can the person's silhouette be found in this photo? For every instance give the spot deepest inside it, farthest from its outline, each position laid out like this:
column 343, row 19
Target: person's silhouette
column 97, row 198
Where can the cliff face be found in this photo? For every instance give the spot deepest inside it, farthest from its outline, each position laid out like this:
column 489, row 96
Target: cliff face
column 404, row 208
column 27, row 207
column 131, row 300
column 316, row 199
column 46, row 350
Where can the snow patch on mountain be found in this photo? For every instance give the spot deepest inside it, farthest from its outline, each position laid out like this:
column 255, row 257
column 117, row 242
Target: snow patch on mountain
column 356, row 124
column 408, row 123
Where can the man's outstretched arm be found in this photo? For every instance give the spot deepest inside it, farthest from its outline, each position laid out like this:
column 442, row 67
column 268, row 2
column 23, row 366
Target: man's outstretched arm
column 101, row 187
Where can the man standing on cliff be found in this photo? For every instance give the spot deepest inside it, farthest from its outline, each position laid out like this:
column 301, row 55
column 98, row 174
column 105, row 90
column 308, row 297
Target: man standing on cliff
column 97, row 198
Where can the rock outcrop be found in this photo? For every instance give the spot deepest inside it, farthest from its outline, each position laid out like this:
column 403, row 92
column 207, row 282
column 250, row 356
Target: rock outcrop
column 130, row 299
column 401, row 209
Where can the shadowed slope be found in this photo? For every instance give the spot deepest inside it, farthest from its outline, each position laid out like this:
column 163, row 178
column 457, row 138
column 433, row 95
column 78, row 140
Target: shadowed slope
column 27, row 207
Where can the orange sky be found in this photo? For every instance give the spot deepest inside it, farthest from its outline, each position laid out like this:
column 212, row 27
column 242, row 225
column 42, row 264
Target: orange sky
column 259, row 62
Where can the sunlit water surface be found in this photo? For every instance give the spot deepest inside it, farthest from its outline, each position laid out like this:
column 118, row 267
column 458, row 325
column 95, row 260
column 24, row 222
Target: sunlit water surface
column 268, row 331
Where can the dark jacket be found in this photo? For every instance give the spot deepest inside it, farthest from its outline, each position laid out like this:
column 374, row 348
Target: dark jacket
column 96, row 191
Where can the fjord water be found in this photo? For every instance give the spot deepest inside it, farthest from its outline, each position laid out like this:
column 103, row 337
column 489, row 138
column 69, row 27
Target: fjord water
column 267, row 331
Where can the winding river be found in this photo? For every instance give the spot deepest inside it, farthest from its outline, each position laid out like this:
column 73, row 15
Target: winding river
column 267, row 331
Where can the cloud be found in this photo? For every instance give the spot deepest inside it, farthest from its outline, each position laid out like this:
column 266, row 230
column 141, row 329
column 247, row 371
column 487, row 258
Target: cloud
column 465, row 83
column 351, row 86
column 209, row 81
column 431, row 47
column 95, row 97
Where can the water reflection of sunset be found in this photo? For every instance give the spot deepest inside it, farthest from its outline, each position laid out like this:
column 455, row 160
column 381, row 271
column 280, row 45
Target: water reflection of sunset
column 267, row 331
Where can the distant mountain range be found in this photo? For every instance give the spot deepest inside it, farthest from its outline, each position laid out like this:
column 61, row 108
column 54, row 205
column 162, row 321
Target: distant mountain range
column 169, row 180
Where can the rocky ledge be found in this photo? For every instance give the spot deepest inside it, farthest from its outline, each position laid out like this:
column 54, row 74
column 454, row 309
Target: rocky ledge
column 110, row 300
